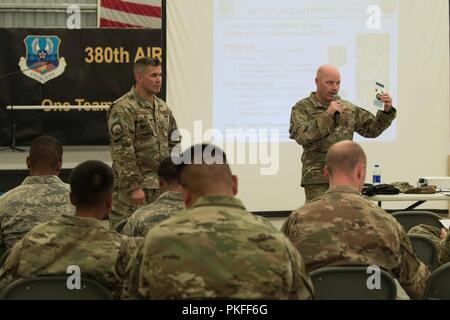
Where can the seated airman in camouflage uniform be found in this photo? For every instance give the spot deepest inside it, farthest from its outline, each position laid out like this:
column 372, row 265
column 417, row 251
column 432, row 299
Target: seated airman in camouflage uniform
column 168, row 204
column 215, row 248
column 440, row 237
column 313, row 126
column 343, row 228
column 81, row 240
column 41, row 197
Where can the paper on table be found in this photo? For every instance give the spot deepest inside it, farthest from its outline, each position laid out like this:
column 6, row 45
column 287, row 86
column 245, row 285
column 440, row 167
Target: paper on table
column 445, row 223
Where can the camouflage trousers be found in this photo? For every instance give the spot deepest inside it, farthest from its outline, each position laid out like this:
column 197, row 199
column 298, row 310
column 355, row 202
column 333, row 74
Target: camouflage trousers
column 313, row 191
column 122, row 206
column 433, row 234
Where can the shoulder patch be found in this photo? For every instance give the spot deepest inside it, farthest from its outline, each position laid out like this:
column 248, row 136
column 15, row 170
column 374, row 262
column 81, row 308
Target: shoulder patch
column 116, row 129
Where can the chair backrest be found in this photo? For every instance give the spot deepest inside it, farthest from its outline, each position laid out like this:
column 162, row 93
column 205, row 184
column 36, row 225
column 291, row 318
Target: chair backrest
column 4, row 256
column 353, row 283
column 54, row 288
column 3, row 250
column 118, row 227
column 409, row 219
column 425, row 249
column 438, row 284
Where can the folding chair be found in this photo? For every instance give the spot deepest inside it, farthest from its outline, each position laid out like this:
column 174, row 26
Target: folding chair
column 120, row 225
column 425, row 250
column 54, row 288
column 409, row 219
column 4, row 256
column 352, row 283
column 438, row 284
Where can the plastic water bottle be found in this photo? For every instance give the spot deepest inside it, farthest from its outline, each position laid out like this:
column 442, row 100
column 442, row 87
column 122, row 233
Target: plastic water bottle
column 376, row 175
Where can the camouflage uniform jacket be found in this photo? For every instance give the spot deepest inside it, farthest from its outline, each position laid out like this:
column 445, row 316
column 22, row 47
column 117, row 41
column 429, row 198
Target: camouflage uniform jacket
column 38, row 199
column 145, row 218
column 343, row 228
column 313, row 128
column 217, row 249
column 48, row 249
column 140, row 138
column 444, row 250
column 434, row 234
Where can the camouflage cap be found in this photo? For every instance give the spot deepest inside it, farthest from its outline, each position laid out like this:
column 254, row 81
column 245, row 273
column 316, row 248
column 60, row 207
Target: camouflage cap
column 402, row 186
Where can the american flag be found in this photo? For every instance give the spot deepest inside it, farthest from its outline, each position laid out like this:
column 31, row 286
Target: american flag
column 130, row 14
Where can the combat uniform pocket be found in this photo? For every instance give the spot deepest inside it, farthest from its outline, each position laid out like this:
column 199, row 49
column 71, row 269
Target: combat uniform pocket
column 144, row 126
column 313, row 114
column 163, row 121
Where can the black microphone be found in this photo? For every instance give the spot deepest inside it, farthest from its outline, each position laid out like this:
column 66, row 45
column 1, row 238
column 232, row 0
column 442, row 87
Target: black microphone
column 336, row 113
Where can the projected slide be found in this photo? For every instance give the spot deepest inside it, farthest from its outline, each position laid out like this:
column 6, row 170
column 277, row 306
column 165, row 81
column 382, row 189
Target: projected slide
column 266, row 54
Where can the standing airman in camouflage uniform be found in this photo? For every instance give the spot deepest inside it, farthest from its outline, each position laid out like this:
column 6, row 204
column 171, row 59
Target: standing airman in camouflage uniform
column 343, row 228
column 41, row 197
column 81, row 240
column 140, row 128
column 313, row 126
column 168, row 204
column 215, row 248
column 440, row 237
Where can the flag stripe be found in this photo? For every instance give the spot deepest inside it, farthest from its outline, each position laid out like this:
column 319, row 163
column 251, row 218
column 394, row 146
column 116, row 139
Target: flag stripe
column 156, row 3
column 130, row 7
column 129, row 18
column 105, row 23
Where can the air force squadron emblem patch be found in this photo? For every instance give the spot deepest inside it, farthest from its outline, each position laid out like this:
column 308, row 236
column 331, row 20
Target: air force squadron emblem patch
column 42, row 61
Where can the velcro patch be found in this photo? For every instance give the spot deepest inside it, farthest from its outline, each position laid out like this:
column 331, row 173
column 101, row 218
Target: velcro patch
column 116, row 130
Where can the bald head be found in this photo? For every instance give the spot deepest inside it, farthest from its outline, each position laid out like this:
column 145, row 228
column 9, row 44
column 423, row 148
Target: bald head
column 344, row 157
column 326, row 70
column 204, row 172
column 328, row 83
column 346, row 165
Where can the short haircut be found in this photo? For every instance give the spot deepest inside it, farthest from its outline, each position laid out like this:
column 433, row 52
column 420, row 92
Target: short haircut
column 91, row 182
column 167, row 170
column 344, row 157
column 46, row 151
column 144, row 62
column 202, row 168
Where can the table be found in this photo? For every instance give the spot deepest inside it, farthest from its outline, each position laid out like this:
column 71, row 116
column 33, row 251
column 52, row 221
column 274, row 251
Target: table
column 418, row 198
